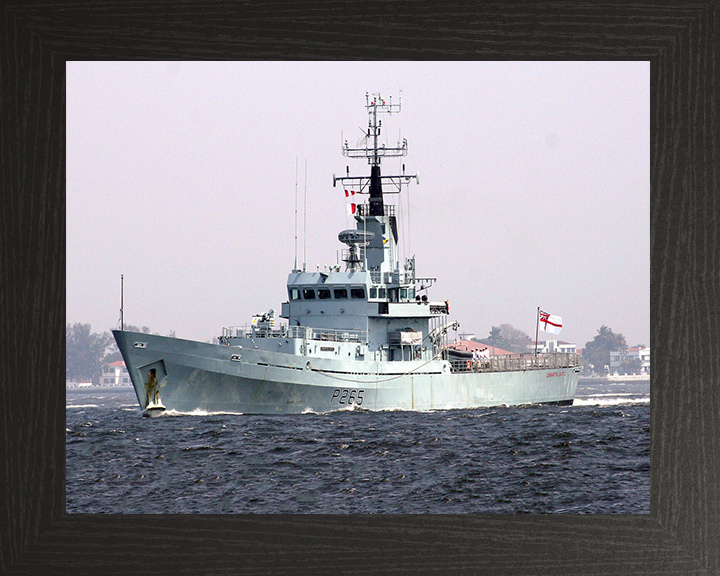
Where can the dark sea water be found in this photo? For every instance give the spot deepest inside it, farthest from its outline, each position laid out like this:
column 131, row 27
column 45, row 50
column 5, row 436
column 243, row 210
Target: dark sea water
column 592, row 457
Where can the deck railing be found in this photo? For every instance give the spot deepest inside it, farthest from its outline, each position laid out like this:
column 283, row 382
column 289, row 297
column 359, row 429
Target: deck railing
column 514, row 363
column 284, row 331
column 364, row 209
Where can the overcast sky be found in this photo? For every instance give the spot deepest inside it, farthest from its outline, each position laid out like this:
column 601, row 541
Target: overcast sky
column 534, row 188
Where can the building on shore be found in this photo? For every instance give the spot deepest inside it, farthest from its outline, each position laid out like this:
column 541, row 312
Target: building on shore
column 115, row 374
column 619, row 356
column 552, row 346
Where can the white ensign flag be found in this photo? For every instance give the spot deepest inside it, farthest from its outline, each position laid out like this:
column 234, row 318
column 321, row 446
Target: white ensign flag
column 550, row 323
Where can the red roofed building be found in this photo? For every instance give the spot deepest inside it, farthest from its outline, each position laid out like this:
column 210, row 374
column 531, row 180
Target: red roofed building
column 115, row 374
column 486, row 350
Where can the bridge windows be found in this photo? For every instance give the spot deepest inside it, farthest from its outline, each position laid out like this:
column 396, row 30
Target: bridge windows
column 357, row 292
column 406, row 294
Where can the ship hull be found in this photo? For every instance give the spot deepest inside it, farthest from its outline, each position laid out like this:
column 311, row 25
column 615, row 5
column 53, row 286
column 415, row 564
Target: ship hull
column 194, row 376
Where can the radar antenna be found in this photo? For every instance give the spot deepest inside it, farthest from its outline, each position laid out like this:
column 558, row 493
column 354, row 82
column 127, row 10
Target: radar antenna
column 375, row 152
column 356, row 241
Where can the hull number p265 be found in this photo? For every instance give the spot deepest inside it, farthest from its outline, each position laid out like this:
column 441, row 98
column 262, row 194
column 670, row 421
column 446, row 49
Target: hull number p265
column 346, row 396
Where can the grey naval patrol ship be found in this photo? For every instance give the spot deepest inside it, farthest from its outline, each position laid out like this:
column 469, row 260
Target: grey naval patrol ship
column 363, row 337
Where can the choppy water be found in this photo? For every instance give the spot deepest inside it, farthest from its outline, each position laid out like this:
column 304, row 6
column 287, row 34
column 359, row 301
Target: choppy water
column 592, row 457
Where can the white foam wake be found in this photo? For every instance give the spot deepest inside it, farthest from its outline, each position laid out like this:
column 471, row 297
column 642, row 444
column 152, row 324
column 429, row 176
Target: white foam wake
column 196, row 412
column 610, row 401
column 83, row 406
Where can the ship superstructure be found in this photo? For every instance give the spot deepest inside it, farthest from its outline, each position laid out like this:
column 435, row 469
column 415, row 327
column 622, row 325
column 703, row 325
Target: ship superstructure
column 363, row 336
column 373, row 308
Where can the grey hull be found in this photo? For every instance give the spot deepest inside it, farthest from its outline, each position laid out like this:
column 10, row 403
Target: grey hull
column 202, row 377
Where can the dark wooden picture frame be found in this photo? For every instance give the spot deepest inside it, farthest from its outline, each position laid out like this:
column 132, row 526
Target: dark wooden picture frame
column 680, row 535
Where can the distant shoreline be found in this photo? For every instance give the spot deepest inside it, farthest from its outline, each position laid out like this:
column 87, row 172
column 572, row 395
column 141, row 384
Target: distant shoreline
column 93, row 387
column 613, row 378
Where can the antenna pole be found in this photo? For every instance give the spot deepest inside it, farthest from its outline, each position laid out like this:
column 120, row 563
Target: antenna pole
column 122, row 291
column 296, row 203
column 305, row 221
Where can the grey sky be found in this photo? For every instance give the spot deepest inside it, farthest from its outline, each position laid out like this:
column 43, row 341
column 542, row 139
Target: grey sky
column 534, row 188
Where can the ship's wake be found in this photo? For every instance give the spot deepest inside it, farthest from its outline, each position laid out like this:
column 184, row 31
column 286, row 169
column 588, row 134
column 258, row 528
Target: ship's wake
column 611, row 400
column 197, row 412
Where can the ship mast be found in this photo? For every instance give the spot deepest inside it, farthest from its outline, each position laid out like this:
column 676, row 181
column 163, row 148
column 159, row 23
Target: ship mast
column 370, row 147
column 377, row 222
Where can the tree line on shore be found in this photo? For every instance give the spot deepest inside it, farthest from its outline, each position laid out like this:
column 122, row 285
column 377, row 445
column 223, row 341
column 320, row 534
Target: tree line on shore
column 88, row 354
